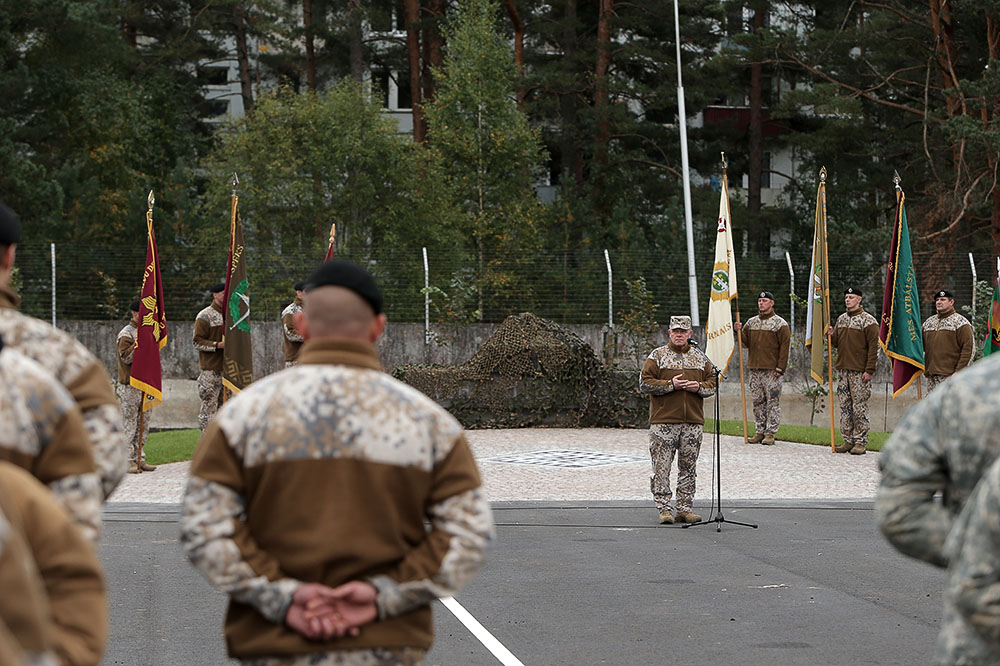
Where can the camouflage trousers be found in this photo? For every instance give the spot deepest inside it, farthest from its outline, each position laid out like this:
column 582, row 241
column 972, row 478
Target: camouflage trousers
column 665, row 439
column 372, row 657
column 131, row 402
column 210, row 393
column 853, row 392
column 934, row 380
column 765, row 390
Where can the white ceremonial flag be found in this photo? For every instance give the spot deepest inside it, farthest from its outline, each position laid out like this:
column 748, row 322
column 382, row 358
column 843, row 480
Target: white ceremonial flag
column 719, row 330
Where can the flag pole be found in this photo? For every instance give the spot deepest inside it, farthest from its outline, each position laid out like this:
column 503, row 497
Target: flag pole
column 234, row 202
column 333, row 238
column 739, row 336
column 826, row 307
column 150, row 201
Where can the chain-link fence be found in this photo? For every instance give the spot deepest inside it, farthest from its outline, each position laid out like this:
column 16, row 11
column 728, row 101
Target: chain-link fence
column 565, row 286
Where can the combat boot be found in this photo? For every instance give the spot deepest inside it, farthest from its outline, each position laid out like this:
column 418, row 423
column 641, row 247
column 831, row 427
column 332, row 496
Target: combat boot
column 133, row 468
column 757, row 439
column 146, row 467
column 768, row 440
column 858, row 450
column 666, row 517
column 843, row 448
column 687, row 517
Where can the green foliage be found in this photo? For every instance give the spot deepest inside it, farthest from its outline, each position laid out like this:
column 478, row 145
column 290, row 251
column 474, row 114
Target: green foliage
column 171, row 446
column 638, row 323
column 981, row 319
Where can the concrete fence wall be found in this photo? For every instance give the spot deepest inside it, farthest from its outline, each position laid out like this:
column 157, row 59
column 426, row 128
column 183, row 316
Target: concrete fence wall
column 403, row 343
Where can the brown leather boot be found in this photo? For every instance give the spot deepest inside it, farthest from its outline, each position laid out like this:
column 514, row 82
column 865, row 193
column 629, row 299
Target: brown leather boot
column 148, row 468
column 687, row 517
column 768, row 440
column 133, row 468
column 757, row 439
column 843, row 448
column 858, row 450
column 666, row 517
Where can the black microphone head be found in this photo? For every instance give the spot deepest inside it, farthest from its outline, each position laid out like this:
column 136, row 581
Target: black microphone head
column 693, row 342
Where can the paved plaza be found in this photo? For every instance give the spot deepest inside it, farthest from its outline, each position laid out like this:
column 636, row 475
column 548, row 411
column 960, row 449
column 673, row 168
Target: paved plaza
column 582, row 574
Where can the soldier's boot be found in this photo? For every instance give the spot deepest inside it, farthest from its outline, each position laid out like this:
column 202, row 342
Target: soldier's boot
column 768, row 440
column 666, row 517
column 133, row 468
column 858, row 450
column 843, row 448
column 146, row 467
column 757, row 439
column 687, row 517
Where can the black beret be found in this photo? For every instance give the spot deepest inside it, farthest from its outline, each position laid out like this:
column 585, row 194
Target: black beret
column 766, row 294
column 10, row 227
column 339, row 273
column 135, row 306
column 853, row 290
column 944, row 293
column 217, row 287
column 300, row 285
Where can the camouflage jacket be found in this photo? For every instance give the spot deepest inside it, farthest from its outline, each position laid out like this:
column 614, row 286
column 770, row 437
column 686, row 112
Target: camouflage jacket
column 41, row 430
column 948, row 345
column 670, row 405
column 209, row 329
column 970, row 627
column 83, row 375
column 943, row 444
column 326, row 472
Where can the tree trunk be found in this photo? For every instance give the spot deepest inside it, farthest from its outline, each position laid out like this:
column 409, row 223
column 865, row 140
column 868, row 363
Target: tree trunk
column 755, row 131
column 572, row 161
column 356, row 40
column 432, row 47
column 411, row 9
column 601, row 82
column 518, row 24
column 243, row 57
column 307, row 26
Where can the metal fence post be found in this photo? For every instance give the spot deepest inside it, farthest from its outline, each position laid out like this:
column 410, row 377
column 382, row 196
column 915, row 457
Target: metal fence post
column 427, row 301
column 791, row 292
column 611, row 319
column 52, row 252
column 972, row 264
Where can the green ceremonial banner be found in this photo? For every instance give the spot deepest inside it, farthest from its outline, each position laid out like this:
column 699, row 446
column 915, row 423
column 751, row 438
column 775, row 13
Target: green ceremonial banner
column 901, row 328
column 237, row 358
column 993, row 330
column 818, row 307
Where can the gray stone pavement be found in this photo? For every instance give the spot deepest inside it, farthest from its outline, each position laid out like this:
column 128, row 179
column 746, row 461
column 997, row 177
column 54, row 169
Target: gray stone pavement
column 582, row 574
column 513, row 469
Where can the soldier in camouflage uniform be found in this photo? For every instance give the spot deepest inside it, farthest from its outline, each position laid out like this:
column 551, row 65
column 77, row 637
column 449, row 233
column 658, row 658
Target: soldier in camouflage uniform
column 942, row 446
column 855, row 335
column 677, row 378
column 947, row 340
column 309, row 492
column 766, row 337
column 209, row 340
column 72, row 364
column 293, row 339
column 131, row 397
column 42, row 431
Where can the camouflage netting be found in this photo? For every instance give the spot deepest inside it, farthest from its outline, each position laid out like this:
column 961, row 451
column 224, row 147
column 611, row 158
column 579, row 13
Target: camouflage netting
column 532, row 372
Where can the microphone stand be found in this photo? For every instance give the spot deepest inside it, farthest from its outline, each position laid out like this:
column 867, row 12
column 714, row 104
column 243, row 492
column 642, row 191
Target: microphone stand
column 719, row 518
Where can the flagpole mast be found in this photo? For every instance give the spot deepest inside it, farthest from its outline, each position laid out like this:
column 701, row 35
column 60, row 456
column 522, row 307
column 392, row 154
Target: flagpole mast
column 826, row 307
column 685, row 176
column 739, row 334
column 150, row 202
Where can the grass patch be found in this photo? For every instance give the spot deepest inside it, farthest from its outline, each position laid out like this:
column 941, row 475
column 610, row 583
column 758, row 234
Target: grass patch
column 171, row 446
column 795, row 433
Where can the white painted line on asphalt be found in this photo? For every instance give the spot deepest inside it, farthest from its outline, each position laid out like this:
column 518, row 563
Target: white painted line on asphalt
column 479, row 631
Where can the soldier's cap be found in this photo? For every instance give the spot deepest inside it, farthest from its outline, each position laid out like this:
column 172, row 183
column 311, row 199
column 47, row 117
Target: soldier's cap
column 300, row 285
column 135, row 306
column 944, row 293
column 766, row 294
column 853, row 290
column 340, row 273
column 682, row 323
column 10, row 226
column 217, row 287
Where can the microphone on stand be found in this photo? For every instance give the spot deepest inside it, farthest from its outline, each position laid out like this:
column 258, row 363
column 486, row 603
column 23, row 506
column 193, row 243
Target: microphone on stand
column 694, row 343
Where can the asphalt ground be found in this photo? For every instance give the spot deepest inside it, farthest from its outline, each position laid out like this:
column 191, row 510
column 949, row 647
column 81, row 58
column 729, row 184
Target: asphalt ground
column 597, row 582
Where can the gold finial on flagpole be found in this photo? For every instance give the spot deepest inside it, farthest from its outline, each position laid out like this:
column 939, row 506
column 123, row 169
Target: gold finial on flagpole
column 723, row 160
column 236, row 182
column 896, row 179
column 151, row 200
column 822, row 174
column 333, row 232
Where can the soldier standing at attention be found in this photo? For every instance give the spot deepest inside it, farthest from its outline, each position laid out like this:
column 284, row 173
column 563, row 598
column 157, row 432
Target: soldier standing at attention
column 766, row 336
column 293, row 339
column 208, row 340
column 131, row 397
column 947, row 340
column 942, row 447
column 855, row 335
column 72, row 364
column 309, row 493
column 677, row 378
